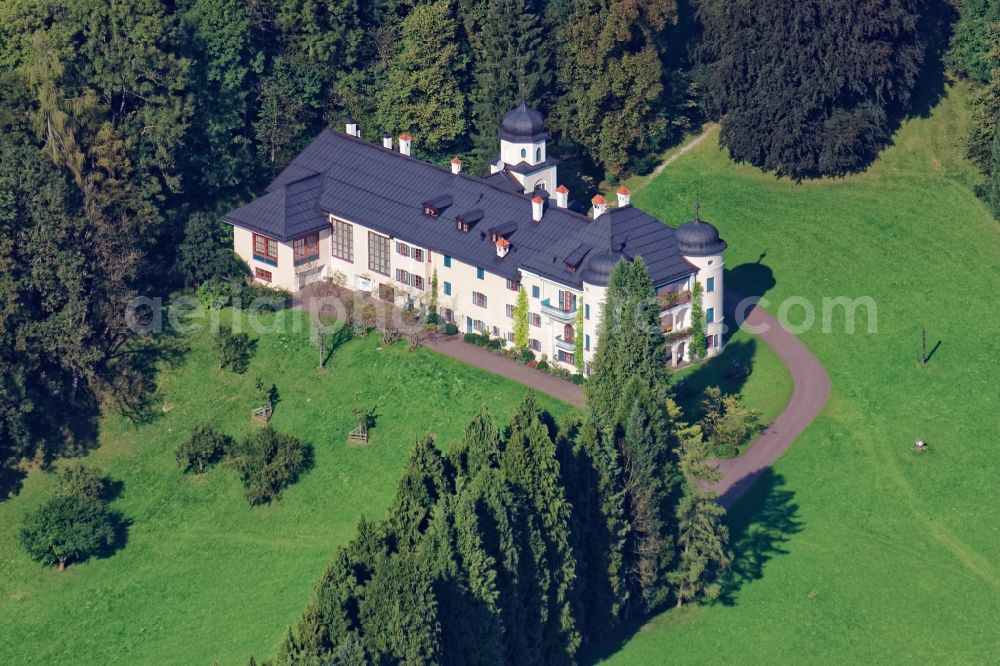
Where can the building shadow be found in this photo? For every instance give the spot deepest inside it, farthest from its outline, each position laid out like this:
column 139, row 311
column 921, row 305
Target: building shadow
column 750, row 280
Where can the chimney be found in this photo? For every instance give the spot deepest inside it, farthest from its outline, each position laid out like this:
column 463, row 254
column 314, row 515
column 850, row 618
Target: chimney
column 404, row 143
column 503, row 247
column 562, row 196
column 456, row 165
column 387, row 140
column 600, row 206
column 537, row 208
column 351, row 127
column 624, row 196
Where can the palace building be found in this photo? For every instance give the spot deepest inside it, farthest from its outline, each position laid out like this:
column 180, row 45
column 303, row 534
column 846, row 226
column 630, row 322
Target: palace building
column 381, row 221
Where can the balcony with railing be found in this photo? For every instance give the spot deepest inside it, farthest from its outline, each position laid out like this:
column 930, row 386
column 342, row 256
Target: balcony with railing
column 673, row 299
column 558, row 312
column 565, row 344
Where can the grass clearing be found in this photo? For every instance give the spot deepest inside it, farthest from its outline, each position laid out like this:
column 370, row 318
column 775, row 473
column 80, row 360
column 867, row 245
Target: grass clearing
column 855, row 548
column 204, row 577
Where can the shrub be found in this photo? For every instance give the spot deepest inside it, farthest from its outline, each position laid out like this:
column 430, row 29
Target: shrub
column 206, row 253
column 727, row 422
column 433, row 318
column 267, row 462
column 527, row 355
column 205, row 447
column 471, row 338
column 450, row 328
column 68, row 528
column 260, row 298
column 233, row 349
column 494, row 343
column 542, row 365
column 577, row 379
column 215, row 294
column 80, row 481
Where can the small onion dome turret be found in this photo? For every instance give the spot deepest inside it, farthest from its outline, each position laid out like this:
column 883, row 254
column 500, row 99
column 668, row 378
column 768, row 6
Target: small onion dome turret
column 699, row 239
column 523, row 125
column 599, row 268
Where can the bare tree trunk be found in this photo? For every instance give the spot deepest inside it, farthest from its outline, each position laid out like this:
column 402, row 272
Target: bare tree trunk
column 62, row 564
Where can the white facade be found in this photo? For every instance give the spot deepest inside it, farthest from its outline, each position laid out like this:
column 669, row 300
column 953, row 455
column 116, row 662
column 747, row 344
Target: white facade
column 472, row 297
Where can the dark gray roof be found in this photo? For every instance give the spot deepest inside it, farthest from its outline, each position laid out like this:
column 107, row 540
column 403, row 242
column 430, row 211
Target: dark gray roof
column 698, row 238
column 505, row 181
column 385, row 191
column 523, row 125
column 286, row 212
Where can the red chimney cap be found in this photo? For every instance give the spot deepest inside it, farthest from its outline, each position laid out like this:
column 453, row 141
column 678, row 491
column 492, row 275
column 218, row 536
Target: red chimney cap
column 538, row 200
column 503, row 242
column 598, row 200
column 562, row 189
column 405, row 137
column 456, row 160
column 624, row 190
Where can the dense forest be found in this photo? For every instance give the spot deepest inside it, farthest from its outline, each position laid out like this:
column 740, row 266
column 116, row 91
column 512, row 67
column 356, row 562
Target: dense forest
column 128, row 126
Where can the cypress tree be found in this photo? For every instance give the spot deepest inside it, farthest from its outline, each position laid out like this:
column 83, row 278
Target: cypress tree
column 702, row 536
column 698, row 343
column 630, row 345
column 399, row 613
column 531, row 467
column 521, row 319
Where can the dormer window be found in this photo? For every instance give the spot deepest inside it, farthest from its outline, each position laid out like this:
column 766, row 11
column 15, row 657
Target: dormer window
column 575, row 258
column 433, row 207
column 465, row 221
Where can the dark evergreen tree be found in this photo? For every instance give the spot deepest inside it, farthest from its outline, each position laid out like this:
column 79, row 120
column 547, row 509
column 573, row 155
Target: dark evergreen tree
column 702, row 536
column 509, row 57
column 399, row 613
column 631, row 345
column 206, row 252
column 809, row 88
column 423, row 484
column 531, row 468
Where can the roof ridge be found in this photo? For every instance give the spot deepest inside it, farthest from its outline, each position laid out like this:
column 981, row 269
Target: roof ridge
column 443, row 170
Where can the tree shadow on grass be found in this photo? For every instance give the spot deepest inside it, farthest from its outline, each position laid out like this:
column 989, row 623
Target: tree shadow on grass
column 716, row 371
column 760, row 524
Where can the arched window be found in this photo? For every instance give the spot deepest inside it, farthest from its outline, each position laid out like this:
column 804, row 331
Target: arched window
column 538, row 154
column 524, row 153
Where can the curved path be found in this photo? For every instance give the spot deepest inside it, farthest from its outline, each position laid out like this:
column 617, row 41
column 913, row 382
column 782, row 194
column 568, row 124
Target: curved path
column 810, row 390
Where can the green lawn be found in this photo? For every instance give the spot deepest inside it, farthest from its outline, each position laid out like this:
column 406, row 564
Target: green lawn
column 766, row 390
column 856, row 548
column 204, row 577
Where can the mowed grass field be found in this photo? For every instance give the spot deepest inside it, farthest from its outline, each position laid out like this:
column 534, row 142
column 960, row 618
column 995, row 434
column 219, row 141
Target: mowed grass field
column 204, row 577
column 856, row 549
